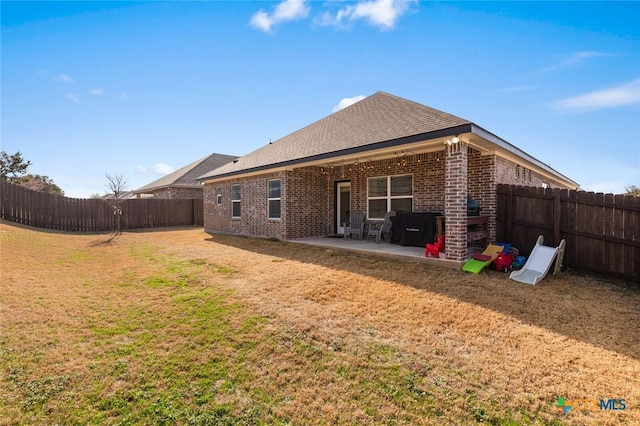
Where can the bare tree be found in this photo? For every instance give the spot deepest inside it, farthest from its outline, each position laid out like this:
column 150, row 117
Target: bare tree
column 116, row 185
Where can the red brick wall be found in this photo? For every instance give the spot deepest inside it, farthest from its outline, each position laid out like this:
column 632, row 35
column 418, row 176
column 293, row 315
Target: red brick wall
column 253, row 211
column 179, row 193
column 428, row 180
column 307, row 203
column 510, row 173
column 455, row 198
column 303, row 206
column 308, row 194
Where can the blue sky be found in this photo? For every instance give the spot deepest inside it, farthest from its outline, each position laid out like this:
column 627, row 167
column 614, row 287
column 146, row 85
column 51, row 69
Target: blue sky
column 143, row 88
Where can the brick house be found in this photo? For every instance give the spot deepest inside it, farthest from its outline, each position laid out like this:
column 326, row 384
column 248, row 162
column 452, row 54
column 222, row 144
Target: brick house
column 381, row 153
column 183, row 183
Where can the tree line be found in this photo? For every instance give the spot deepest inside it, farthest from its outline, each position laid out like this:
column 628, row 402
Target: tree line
column 14, row 169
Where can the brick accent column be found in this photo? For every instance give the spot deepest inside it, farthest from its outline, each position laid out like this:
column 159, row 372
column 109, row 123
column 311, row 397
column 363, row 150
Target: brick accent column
column 455, row 201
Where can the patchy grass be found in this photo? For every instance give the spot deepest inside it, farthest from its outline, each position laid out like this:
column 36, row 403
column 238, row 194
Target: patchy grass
column 173, row 327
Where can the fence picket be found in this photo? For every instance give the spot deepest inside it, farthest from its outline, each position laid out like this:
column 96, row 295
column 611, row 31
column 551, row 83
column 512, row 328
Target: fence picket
column 602, row 231
column 50, row 211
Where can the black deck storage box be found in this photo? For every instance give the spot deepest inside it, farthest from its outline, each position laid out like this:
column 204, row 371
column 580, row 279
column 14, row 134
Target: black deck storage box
column 414, row 229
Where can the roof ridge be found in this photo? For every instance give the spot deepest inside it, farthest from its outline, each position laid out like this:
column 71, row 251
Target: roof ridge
column 377, row 118
column 174, row 178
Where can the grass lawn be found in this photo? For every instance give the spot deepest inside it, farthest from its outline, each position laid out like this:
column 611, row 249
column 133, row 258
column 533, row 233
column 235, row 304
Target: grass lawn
column 177, row 327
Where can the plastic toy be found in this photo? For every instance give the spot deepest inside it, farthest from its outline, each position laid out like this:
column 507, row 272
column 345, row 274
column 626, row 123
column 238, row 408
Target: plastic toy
column 435, row 248
column 480, row 261
column 503, row 262
column 539, row 263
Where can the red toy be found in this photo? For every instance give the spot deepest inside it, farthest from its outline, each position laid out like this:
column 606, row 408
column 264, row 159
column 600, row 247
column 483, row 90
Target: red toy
column 436, row 248
column 503, row 262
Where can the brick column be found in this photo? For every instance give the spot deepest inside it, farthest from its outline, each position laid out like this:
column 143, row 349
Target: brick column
column 455, row 201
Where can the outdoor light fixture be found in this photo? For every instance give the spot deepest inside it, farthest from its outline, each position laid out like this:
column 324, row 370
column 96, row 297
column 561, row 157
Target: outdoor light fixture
column 454, row 140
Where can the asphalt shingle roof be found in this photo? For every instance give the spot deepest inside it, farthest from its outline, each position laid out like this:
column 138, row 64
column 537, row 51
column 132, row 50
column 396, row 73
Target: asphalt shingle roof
column 187, row 175
column 378, row 118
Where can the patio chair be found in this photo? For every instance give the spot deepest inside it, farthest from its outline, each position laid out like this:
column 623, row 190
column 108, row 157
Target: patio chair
column 355, row 225
column 386, row 226
column 435, row 248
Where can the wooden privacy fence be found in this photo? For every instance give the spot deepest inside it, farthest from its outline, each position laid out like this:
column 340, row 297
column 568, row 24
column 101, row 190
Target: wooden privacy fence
column 51, row 211
column 602, row 230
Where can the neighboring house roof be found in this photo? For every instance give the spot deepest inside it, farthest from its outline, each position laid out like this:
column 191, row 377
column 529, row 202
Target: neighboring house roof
column 125, row 195
column 379, row 122
column 186, row 177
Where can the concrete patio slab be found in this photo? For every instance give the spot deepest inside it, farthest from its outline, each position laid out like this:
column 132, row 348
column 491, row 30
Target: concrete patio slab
column 405, row 253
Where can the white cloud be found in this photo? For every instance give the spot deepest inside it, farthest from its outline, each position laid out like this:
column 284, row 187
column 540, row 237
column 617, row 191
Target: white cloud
column 141, row 168
column 345, row 102
column 97, row 92
column 73, row 97
column 625, row 94
column 287, row 10
column 163, row 169
column 380, row 13
column 573, row 60
column 63, row 78
column 261, row 21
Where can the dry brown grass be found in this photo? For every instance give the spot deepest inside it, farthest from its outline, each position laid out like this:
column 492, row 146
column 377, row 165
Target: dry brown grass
column 331, row 336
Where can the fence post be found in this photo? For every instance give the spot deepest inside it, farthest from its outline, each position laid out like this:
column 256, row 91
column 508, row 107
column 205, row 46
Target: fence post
column 557, row 213
column 509, row 218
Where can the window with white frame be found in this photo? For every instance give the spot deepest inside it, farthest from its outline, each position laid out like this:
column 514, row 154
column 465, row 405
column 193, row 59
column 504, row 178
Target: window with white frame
column 386, row 193
column 274, row 198
column 219, row 195
column 235, row 201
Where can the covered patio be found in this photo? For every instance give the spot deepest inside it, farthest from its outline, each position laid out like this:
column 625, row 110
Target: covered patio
column 385, row 249
column 378, row 155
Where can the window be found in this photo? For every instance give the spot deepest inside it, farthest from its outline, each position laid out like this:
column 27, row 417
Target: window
column 235, row 201
column 273, row 198
column 389, row 193
column 218, row 195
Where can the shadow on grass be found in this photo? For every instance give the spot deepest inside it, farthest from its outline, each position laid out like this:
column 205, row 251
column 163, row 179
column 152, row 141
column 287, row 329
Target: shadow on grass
column 115, row 235
column 110, row 239
column 598, row 311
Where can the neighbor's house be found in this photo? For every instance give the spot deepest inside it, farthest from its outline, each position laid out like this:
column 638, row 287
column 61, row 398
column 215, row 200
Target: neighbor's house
column 381, row 153
column 183, row 183
column 125, row 195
